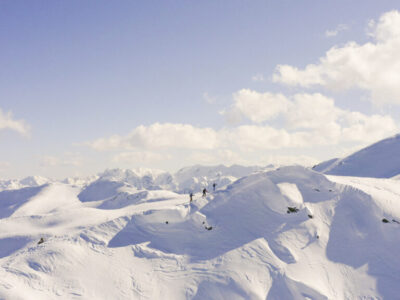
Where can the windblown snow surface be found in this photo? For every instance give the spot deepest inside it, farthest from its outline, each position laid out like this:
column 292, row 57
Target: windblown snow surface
column 111, row 240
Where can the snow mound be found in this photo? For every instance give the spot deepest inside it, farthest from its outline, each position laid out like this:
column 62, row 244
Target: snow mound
column 380, row 160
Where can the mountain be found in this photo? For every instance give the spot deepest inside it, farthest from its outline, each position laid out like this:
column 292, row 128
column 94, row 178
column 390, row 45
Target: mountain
column 288, row 233
column 31, row 181
column 118, row 183
column 322, row 167
column 195, row 178
column 141, row 178
column 379, row 160
column 80, row 181
column 187, row 180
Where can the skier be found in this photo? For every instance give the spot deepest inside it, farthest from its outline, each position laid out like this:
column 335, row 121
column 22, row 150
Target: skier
column 191, row 197
column 204, row 192
column 214, row 184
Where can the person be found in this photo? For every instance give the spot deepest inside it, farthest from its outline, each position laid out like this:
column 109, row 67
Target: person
column 214, row 184
column 191, row 197
column 204, row 192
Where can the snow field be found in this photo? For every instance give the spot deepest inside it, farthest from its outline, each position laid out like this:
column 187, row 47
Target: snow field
column 112, row 240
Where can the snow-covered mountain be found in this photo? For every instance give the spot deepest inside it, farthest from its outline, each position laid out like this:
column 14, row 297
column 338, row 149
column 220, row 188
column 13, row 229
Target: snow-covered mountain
column 80, row 181
column 187, row 180
column 195, row 178
column 31, row 181
column 380, row 160
column 290, row 233
column 149, row 179
column 106, row 184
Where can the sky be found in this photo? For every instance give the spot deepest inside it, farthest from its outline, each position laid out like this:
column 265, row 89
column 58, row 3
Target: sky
column 90, row 85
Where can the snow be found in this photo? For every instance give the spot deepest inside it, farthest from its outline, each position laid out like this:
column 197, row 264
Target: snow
column 123, row 235
column 195, row 178
column 80, row 181
column 324, row 166
column 380, row 160
column 186, row 180
column 140, row 178
column 31, row 181
column 291, row 192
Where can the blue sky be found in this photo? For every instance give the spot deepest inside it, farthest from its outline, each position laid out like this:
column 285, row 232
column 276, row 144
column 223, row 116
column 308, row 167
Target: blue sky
column 73, row 74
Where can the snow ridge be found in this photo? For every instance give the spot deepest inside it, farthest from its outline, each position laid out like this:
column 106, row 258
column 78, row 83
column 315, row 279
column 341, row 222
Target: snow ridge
column 380, row 160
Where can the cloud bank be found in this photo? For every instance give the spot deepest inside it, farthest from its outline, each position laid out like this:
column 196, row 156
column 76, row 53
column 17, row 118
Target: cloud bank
column 308, row 120
column 372, row 67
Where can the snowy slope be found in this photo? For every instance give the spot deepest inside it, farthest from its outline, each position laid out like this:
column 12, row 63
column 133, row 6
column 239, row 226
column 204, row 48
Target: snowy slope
column 322, row 167
column 380, row 160
column 115, row 241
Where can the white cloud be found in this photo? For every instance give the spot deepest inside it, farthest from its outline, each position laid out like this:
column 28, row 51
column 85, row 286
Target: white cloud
column 4, row 165
column 363, row 128
column 115, row 142
column 8, row 122
column 167, row 135
column 387, row 28
column 336, row 31
column 310, row 111
column 232, row 116
column 309, row 120
column 49, row 161
column 209, row 99
column 139, row 157
column 258, row 77
column 332, row 125
column 258, row 107
column 192, row 138
column 306, row 121
column 373, row 66
column 256, row 137
column 222, row 156
column 66, row 159
column 286, row 160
